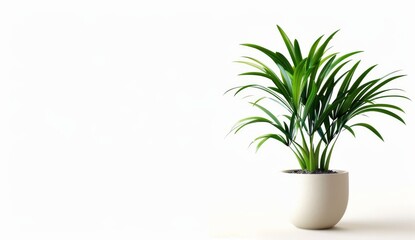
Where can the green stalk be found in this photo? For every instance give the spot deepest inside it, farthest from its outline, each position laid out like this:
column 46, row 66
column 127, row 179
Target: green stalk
column 311, row 155
column 298, row 155
column 327, row 163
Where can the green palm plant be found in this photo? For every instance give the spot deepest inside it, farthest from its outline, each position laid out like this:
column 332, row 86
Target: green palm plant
column 321, row 97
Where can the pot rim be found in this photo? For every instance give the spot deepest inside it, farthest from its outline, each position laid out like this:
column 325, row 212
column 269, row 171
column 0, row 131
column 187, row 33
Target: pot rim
column 337, row 172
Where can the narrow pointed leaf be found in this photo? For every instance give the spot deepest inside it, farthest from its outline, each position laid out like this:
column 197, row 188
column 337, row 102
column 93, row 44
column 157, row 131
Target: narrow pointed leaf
column 371, row 128
column 275, row 57
column 288, row 44
column 380, row 110
column 350, row 130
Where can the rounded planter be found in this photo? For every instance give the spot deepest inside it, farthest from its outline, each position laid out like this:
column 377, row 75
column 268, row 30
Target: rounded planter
column 317, row 201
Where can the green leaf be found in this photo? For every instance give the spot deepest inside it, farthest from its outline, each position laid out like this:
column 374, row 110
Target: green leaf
column 297, row 51
column 298, row 80
column 300, row 160
column 330, row 83
column 350, row 130
column 265, row 89
column 323, row 157
column 312, row 51
column 368, row 126
column 282, row 103
column 252, row 65
column 311, row 159
column 272, row 116
column 327, row 163
column 326, row 69
column 275, row 57
column 286, row 77
column 254, row 74
column 304, row 153
column 380, row 110
column 319, row 53
column 381, row 105
column 288, row 44
column 374, row 89
column 390, row 96
column 348, row 78
column 268, row 73
column 249, row 120
column 317, row 152
column 326, row 112
column 310, row 100
column 265, row 137
column 344, row 57
column 292, row 126
column 361, row 77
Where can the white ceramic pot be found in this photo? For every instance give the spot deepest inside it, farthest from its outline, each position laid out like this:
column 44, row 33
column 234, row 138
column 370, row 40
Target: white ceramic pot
column 318, row 201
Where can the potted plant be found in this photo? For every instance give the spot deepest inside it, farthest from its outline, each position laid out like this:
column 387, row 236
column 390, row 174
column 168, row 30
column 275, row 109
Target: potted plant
column 309, row 100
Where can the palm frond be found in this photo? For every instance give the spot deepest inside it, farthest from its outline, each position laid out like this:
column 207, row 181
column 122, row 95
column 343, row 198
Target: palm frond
column 321, row 95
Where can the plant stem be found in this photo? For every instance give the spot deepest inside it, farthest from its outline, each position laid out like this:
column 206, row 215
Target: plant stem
column 312, row 155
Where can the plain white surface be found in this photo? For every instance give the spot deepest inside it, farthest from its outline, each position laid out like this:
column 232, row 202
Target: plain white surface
column 113, row 120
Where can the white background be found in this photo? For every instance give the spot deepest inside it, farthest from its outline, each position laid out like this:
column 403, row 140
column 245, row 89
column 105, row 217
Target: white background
column 113, row 120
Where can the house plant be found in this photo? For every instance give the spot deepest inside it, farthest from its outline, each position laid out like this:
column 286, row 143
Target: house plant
column 311, row 100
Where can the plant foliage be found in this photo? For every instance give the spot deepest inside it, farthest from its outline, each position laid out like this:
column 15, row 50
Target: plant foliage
column 321, row 94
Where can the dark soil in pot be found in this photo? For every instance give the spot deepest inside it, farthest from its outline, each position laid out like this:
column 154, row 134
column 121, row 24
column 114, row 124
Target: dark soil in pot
column 318, row 171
